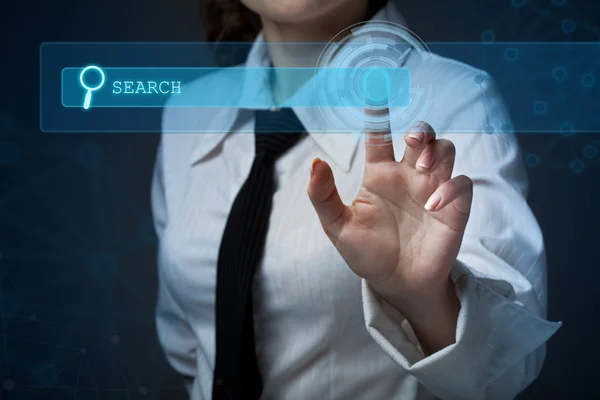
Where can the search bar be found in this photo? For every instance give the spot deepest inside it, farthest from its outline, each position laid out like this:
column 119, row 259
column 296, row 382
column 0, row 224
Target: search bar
column 94, row 86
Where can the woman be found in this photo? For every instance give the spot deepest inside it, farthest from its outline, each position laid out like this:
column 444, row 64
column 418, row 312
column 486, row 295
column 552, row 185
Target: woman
column 395, row 296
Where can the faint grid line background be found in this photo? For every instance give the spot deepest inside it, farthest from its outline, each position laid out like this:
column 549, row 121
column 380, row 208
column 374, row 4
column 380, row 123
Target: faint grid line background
column 77, row 267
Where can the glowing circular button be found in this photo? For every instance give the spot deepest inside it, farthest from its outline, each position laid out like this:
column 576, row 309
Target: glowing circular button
column 375, row 86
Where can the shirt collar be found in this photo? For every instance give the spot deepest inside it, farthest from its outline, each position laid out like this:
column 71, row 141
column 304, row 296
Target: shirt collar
column 339, row 147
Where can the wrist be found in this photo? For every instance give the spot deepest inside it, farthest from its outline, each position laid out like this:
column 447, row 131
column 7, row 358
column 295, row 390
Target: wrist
column 432, row 315
column 424, row 304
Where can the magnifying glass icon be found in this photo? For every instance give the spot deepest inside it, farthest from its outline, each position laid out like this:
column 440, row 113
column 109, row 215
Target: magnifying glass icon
column 88, row 95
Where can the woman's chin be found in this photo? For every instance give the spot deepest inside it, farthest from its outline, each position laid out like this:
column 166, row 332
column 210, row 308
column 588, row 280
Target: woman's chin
column 292, row 11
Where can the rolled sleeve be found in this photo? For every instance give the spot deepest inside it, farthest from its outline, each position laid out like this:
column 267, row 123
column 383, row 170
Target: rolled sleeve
column 493, row 334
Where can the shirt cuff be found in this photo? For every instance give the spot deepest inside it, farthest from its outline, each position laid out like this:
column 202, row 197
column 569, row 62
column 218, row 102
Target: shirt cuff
column 494, row 332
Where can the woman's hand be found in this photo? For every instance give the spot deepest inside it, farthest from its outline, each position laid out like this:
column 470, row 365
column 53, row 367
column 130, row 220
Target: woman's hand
column 404, row 229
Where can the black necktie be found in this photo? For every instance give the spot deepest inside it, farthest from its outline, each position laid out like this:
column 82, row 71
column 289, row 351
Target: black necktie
column 236, row 374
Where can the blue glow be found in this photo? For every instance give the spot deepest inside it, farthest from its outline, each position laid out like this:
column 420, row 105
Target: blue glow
column 89, row 89
column 488, row 36
column 540, row 107
column 559, row 73
column 562, row 77
column 376, row 86
column 590, row 151
column 478, row 79
column 511, row 54
column 532, row 160
column 566, row 129
column 588, row 80
column 568, row 25
column 237, row 87
column 577, row 165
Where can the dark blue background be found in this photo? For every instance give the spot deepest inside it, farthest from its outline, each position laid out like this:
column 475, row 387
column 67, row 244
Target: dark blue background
column 78, row 271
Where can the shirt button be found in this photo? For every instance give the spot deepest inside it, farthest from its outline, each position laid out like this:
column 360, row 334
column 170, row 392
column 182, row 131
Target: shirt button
column 219, row 382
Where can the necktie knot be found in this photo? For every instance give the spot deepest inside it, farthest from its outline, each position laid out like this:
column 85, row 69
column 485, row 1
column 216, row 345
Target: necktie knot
column 276, row 132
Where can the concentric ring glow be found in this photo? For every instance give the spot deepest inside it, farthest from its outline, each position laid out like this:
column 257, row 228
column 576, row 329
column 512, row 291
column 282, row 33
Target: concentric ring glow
column 367, row 45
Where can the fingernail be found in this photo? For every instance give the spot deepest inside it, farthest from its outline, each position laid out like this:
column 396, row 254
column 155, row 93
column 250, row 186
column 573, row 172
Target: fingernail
column 417, row 135
column 433, row 202
column 312, row 166
column 426, row 160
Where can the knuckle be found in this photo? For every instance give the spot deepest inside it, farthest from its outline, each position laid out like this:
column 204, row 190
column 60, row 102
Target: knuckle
column 445, row 150
column 427, row 129
column 465, row 181
column 447, row 145
column 469, row 182
column 425, row 126
column 452, row 186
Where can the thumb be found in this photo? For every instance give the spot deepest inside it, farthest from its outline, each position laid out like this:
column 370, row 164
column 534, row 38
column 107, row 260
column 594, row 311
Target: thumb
column 323, row 194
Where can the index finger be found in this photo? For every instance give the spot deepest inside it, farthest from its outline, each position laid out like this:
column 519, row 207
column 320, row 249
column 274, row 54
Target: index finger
column 378, row 142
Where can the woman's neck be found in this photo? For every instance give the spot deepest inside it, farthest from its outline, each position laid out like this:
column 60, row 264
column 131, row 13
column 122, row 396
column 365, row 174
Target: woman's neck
column 313, row 35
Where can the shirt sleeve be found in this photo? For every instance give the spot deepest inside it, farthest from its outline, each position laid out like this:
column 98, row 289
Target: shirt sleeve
column 174, row 332
column 500, row 274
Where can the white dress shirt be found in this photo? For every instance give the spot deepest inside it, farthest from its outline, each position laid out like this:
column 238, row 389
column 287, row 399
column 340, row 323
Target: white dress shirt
column 321, row 332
